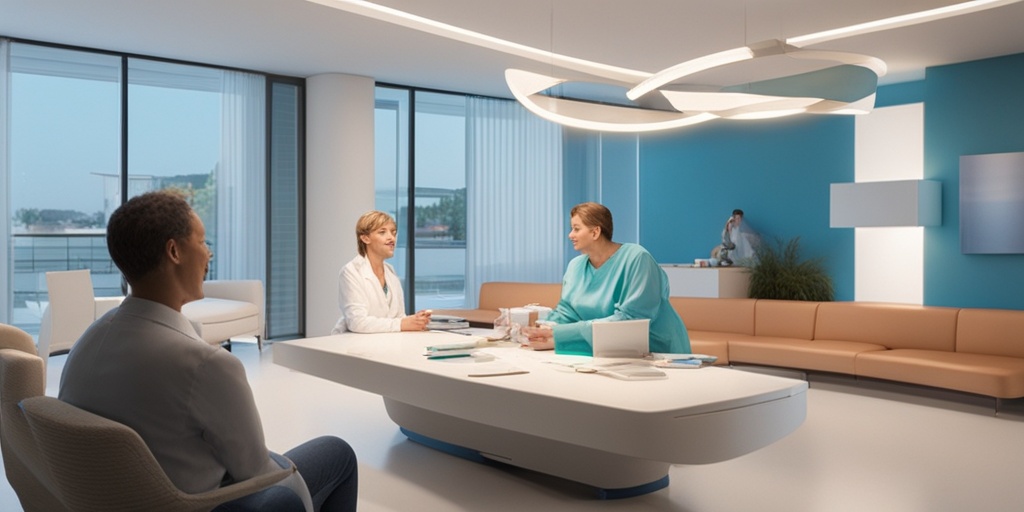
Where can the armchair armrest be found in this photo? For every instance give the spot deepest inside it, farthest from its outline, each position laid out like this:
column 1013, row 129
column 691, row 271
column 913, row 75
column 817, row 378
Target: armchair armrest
column 287, row 476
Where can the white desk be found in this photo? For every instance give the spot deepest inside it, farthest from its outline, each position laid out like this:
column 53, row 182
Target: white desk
column 618, row 436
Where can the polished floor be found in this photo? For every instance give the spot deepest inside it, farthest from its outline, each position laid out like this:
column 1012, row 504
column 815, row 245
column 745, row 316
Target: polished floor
column 859, row 450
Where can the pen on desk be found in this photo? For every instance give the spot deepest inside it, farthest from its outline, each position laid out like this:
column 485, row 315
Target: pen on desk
column 442, row 355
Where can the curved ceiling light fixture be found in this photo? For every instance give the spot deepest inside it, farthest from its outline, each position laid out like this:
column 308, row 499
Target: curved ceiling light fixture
column 528, row 89
column 845, row 88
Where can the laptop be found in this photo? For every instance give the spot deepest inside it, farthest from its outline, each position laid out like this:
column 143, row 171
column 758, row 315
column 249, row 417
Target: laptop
column 626, row 338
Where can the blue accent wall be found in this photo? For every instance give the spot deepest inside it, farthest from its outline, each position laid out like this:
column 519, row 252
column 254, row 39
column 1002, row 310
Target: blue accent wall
column 971, row 108
column 777, row 171
column 900, row 94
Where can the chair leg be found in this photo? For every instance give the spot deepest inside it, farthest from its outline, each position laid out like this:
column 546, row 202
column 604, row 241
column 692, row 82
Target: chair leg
column 226, row 345
column 259, row 343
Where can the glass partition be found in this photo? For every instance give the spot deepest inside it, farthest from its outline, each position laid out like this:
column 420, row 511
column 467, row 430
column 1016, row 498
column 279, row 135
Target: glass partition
column 64, row 141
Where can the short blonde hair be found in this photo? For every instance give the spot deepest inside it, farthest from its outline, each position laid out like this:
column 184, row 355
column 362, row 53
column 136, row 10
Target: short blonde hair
column 368, row 223
column 596, row 216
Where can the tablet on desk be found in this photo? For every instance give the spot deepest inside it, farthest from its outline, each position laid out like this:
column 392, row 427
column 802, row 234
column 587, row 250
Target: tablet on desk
column 626, row 338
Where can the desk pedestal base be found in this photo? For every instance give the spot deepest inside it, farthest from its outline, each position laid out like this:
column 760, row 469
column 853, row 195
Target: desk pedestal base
column 613, row 475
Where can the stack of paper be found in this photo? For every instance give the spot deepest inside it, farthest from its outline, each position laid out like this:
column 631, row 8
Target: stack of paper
column 446, row 323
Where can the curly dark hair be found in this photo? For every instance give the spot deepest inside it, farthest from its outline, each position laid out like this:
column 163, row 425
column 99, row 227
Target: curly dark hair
column 139, row 230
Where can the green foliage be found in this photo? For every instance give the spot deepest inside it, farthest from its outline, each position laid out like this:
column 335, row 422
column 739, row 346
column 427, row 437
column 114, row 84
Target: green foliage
column 779, row 274
column 58, row 219
column 446, row 218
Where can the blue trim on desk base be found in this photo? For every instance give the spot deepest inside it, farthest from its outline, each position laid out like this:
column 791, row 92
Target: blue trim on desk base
column 475, row 456
column 451, row 449
column 629, row 492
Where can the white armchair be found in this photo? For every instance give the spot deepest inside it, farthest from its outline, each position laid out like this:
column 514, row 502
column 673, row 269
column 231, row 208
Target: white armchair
column 230, row 309
column 72, row 308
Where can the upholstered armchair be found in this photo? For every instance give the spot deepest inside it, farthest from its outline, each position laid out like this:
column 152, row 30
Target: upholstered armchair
column 71, row 309
column 22, row 376
column 230, row 309
column 99, row 464
column 58, row 457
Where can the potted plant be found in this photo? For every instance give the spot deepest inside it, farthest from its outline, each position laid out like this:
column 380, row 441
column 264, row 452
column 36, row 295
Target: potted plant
column 779, row 274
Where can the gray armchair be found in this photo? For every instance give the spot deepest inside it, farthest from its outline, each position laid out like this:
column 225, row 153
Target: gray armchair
column 21, row 376
column 58, row 457
column 100, row 464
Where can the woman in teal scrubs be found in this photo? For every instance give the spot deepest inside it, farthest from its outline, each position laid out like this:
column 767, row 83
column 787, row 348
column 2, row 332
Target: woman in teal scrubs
column 608, row 281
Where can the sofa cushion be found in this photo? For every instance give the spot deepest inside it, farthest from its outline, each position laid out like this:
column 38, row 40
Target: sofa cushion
column 998, row 332
column 785, row 318
column 211, row 311
column 476, row 317
column 500, row 294
column 891, row 325
column 823, row 355
column 217, row 320
column 504, row 294
column 718, row 315
column 715, row 337
column 713, row 344
column 998, row 376
column 717, row 348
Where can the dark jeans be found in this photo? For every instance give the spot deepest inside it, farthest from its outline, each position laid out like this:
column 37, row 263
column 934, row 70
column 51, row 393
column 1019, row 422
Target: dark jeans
column 327, row 464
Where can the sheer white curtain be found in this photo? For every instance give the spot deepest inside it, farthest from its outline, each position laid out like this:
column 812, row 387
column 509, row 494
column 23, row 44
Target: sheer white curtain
column 514, row 216
column 5, row 186
column 241, row 178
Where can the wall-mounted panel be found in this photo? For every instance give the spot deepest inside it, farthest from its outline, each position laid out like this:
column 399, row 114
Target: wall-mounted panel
column 992, row 204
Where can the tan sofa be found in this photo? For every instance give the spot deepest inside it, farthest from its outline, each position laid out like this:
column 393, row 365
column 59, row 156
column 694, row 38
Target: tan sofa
column 978, row 351
column 501, row 294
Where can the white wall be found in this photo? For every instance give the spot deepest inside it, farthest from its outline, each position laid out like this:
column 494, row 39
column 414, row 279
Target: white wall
column 889, row 262
column 339, row 185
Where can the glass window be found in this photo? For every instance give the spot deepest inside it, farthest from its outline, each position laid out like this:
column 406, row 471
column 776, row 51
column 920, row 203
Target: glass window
column 285, row 290
column 65, row 137
column 440, row 199
column 174, row 136
column 391, row 173
column 201, row 131
column 467, row 154
column 187, row 127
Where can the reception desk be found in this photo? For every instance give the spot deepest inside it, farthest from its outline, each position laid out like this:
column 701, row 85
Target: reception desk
column 714, row 282
column 615, row 435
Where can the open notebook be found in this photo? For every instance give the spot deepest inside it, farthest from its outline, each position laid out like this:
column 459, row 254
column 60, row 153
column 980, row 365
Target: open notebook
column 626, row 338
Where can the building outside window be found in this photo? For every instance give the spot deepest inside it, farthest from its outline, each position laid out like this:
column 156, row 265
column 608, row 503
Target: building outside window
column 486, row 202
column 88, row 129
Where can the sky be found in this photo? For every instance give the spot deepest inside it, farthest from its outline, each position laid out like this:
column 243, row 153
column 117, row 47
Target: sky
column 65, row 130
column 65, row 134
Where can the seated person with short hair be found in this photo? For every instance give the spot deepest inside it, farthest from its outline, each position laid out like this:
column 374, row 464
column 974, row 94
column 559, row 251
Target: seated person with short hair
column 608, row 281
column 143, row 365
column 369, row 291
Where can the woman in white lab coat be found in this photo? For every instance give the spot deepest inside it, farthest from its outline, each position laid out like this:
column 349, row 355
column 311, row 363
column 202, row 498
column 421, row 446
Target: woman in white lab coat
column 369, row 292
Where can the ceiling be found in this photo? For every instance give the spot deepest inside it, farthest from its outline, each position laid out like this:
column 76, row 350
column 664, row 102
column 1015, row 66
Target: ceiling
column 300, row 38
